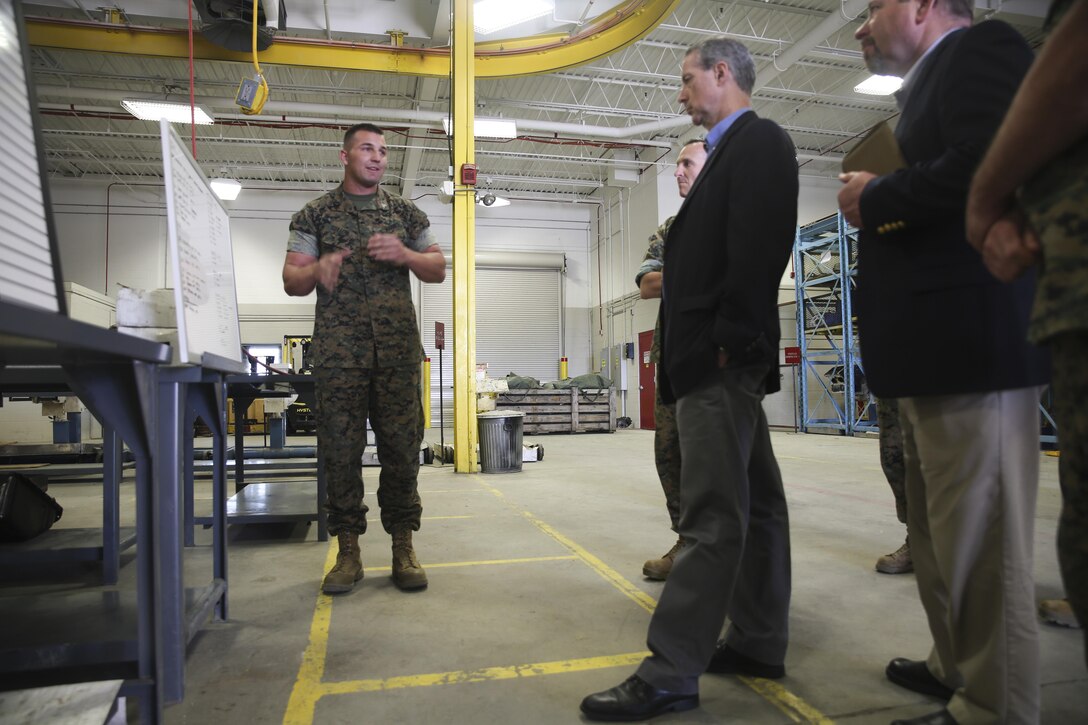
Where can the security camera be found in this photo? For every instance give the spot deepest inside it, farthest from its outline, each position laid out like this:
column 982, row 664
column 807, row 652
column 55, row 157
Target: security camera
column 489, row 199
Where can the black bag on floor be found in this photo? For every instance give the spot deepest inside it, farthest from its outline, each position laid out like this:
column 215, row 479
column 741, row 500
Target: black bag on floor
column 25, row 509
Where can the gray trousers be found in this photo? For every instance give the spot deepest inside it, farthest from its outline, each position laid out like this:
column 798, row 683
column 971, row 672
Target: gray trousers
column 733, row 514
column 972, row 476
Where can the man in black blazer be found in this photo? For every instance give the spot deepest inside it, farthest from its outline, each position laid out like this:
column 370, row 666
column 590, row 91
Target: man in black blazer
column 945, row 338
column 727, row 250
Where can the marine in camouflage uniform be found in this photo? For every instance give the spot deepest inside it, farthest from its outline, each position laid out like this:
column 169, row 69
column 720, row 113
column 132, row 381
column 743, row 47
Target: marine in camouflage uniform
column 1057, row 208
column 891, row 461
column 367, row 350
column 1042, row 148
column 666, row 436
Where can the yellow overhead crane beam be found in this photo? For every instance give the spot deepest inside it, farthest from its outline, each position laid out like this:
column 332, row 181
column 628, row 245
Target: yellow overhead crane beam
column 604, row 35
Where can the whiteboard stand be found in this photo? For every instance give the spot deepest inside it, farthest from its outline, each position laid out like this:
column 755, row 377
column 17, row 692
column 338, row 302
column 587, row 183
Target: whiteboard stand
column 202, row 257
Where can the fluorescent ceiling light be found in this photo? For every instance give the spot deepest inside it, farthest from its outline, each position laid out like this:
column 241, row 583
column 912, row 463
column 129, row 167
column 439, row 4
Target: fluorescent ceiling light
column 151, row 110
column 226, row 189
column 489, row 16
column 502, row 128
column 879, row 85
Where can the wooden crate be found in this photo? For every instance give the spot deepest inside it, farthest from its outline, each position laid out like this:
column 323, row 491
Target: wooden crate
column 254, row 422
column 571, row 410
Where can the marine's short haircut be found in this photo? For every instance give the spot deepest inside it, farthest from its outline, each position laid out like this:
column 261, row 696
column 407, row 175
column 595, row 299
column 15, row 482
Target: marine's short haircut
column 368, row 127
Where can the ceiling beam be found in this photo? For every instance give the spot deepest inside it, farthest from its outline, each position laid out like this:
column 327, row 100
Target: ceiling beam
column 283, row 110
column 547, row 54
column 831, row 24
column 426, row 94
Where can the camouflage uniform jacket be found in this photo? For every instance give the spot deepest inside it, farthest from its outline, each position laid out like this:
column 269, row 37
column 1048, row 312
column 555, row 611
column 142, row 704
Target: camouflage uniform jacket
column 654, row 262
column 1056, row 204
column 368, row 320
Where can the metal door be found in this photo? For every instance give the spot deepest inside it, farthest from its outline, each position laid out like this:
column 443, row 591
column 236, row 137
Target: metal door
column 647, row 381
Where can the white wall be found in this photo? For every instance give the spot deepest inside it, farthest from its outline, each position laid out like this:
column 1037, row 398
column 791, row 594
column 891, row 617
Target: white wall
column 818, row 198
column 133, row 217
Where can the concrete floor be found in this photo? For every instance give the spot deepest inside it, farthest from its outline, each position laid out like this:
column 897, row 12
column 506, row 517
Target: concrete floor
column 536, row 599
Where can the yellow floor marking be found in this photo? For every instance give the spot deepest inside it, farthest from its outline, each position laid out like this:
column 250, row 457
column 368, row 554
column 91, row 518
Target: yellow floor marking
column 452, row 490
column 610, row 575
column 486, row 562
column 796, row 708
column 309, row 688
column 486, row 674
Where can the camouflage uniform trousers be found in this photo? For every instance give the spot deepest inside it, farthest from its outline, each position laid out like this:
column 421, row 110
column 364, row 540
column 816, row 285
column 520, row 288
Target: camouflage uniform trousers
column 891, row 452
column 1056, row 204
column 667, row 456
column 1070, row 387
column 391, row 398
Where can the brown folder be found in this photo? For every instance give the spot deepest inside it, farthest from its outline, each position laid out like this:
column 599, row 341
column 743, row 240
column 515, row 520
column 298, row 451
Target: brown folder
column 878, row 152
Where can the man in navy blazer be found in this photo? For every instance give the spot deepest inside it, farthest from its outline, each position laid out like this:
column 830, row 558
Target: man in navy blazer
column 727, row 251
column 947, row 339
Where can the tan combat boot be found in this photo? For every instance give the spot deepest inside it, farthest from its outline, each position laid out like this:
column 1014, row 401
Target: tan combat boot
column 897, row 562
column 1059, row 612
column 659, row 568
column 407, row 573
column 349, row 567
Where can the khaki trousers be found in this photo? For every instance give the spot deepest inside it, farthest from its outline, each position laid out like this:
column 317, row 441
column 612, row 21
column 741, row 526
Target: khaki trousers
column 972, row 476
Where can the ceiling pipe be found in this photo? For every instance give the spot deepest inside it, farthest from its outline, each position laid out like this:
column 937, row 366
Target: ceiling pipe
column 627, row 134
column 362, row 112
column 847, row 13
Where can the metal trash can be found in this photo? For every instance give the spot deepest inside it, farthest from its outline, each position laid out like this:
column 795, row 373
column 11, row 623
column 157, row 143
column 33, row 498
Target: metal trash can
column 500, row 440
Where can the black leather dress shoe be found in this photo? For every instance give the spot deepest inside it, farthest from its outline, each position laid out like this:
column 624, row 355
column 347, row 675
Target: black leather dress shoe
column 941, row 717
column 728, row 661
column 916, row 677
column 635, row 699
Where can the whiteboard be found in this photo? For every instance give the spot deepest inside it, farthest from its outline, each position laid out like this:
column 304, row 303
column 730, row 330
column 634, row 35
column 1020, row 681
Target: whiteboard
column 198, row 229
column 28, row 275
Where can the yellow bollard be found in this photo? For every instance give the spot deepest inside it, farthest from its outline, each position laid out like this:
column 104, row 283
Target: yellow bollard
column 563, row 368
column 426, row 392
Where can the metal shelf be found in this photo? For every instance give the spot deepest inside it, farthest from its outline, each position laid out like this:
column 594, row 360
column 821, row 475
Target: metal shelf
column 832, row 392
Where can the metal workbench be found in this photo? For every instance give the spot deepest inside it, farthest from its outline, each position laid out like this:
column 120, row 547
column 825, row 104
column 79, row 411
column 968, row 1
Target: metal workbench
column 139, row 636
column 266, row 501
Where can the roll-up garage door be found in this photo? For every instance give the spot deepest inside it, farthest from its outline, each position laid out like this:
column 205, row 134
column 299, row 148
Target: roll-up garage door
column 518, row 327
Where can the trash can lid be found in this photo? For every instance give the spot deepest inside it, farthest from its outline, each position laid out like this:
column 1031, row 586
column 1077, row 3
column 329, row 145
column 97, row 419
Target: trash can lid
column 501, row 414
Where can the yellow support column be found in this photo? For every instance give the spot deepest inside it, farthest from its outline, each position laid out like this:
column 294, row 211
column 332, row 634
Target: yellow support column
column 426, row 391
column 463, row 101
